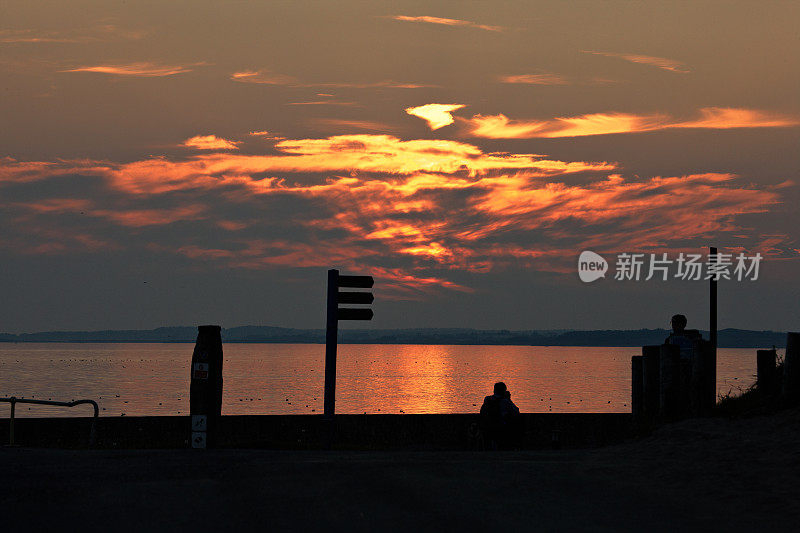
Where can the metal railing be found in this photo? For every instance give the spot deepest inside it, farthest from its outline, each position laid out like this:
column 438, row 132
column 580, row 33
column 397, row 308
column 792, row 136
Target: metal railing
column 13, row 401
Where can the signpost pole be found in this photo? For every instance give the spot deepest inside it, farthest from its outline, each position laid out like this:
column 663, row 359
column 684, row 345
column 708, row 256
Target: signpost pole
column 710, row 396
column 331, row 331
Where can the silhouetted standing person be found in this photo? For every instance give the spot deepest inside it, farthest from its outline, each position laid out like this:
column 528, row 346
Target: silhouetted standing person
column 684, row 339
column 499, row 418
column 688, row 342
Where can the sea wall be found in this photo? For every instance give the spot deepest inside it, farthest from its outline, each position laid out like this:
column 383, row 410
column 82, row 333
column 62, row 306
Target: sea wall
column 304, row 432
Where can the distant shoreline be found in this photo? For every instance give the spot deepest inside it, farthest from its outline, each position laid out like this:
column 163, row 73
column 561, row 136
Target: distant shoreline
column 727, row 338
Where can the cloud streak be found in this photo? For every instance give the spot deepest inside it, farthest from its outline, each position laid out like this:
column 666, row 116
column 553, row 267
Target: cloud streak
column 142, row 69
column 266, row 77
column 447, row 22
column 535, row 79
column 663, row 63
column 102, row 33
column 501, row 127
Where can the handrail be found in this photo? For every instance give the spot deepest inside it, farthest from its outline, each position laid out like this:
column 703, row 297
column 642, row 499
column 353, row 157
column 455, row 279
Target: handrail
column 14, row 400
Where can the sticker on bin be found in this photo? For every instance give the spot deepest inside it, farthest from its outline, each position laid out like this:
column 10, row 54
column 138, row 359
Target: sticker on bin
column 200, row 371
column 198, row 439
column 199, row 423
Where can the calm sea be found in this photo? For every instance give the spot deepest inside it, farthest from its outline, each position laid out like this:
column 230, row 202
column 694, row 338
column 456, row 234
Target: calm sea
column 153, row 379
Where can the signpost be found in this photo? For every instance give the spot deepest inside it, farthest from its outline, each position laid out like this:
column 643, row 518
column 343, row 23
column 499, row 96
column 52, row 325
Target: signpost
column 335, row 314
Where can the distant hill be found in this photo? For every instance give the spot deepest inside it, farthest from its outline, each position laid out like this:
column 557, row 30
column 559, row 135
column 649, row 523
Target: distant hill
column 728, row 338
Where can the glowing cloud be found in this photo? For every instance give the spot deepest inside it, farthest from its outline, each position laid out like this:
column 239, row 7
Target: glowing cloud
column 429, row 205
column 447, row 22
column 209, row 142
column 148, row 70
column 436, row 115
column 501, row 127
column 264, row 77
column 535, row 79
column 660, row 62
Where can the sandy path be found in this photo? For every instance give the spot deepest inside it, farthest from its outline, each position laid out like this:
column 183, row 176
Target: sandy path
column 707, row 475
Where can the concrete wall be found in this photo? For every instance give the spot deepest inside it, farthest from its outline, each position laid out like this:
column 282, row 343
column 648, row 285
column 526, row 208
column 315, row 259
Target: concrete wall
column 359, row 432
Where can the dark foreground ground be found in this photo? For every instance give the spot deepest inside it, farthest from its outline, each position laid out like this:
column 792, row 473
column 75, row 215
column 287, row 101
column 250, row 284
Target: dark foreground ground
column 697, row 475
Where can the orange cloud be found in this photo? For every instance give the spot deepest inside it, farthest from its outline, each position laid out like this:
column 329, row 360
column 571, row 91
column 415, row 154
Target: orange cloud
column 410, row 211
column 425, row 159
column 264, row 134
column 368, row 125
column 535, row 79
column 323, row 102
column 447, row 22
column 263, row 77
column 436, row 115
column 726, row 118
column 501, row 127
column 13, row 171
column 210, row 142
column 266, row 77
column 147, row 70
column 122, row 216
column 660, row 62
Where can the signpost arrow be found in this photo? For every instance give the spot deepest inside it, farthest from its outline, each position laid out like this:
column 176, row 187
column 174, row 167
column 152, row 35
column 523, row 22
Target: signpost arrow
column 355, row 298
column 355, row 314
column 356, row 282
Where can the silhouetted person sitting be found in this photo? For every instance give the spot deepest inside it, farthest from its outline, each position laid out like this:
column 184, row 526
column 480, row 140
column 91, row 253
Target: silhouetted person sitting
column 499, row 419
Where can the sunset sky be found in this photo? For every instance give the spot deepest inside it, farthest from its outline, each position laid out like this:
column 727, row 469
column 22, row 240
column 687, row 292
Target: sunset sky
column 179, row 163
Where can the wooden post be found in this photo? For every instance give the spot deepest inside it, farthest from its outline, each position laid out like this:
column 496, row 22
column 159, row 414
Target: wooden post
column 702, row 396
column 650, row 380
column 11, row 422
column 205, row 391
column 711, row 355
column 331, row 333
column 765, row 364
column 791, row 366
column 670, row 375
column 637, row 386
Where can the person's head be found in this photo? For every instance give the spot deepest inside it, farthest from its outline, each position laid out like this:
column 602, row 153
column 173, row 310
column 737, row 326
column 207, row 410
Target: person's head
column 678, row 323
column 500, row 388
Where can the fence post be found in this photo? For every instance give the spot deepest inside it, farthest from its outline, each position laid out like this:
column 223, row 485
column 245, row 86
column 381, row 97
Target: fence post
column 791, row 366
column 650, row 379
column 670, row 377
column 766, row 371
column 11, row 422
column 637, row 386
column 205, row 391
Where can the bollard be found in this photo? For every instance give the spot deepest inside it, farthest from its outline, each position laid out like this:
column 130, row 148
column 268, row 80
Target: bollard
column 669, row 375
column 205, row 391
column 766, row 371
column 637, row 386
column 791, row 366
column 651, row 388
